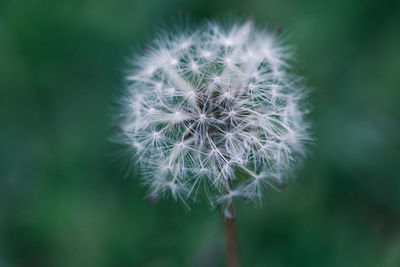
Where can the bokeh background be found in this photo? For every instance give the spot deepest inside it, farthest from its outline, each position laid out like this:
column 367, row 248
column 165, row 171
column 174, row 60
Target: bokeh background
column 64, row 202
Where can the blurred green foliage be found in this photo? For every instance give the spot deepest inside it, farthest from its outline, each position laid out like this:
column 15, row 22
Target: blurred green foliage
column 63, row 202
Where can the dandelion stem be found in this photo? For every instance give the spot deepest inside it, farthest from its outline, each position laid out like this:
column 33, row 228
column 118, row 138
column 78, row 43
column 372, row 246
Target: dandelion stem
column 231, row 243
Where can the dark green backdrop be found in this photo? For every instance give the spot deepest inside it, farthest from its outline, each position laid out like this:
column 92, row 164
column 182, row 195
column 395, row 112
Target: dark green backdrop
column 63, row 202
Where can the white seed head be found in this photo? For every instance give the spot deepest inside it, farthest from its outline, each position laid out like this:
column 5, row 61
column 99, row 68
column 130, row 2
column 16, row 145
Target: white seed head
column 216, row 110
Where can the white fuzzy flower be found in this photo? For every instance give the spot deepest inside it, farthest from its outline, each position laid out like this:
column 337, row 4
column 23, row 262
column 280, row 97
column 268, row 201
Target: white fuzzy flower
column 215, row 110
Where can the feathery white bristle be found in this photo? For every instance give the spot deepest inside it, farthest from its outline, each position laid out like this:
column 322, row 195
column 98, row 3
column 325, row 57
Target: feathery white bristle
column 217, row 108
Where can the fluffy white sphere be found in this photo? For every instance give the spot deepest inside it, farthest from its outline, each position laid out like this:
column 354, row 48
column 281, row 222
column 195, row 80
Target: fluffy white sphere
column 216, row 110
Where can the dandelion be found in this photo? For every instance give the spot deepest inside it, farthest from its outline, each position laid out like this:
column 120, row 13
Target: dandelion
column 215, row 111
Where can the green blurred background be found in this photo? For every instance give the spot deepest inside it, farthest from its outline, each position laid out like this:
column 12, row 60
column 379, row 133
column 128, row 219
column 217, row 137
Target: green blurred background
column 63, row 202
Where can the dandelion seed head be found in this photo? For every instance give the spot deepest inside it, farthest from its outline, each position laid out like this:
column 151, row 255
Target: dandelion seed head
column 216, row 110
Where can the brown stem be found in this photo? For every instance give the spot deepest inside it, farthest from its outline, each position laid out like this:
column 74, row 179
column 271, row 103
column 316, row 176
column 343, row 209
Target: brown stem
column 231, row 243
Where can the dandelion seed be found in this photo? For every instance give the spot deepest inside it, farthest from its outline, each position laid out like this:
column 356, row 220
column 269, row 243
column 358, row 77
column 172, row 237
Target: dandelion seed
column 206, row 108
